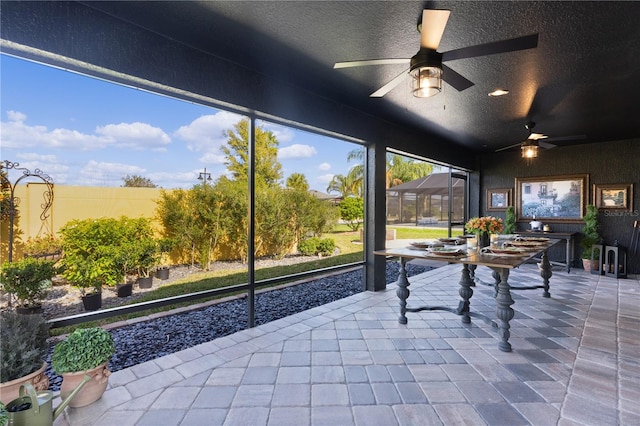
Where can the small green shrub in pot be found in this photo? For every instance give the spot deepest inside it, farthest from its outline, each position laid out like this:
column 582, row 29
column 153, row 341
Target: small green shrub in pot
column 23, row 348
column 23, row 344
column 84, row 349
column 590, row 233
column 29, row 280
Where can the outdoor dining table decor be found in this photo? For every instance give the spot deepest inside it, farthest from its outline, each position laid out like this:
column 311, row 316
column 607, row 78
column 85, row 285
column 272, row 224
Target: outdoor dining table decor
column 483, row 227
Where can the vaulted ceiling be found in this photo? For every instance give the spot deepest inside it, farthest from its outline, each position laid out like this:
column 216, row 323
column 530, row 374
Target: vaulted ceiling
column 582, row 79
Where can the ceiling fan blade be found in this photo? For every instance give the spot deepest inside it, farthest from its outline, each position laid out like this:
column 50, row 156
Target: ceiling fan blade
column 454, row 79
column 390, row 85
column 432, row 27
column 504, row 46
column 567, row 138
column 546, row 145
column 537, row 136
column 364, row 63
column 509, row 147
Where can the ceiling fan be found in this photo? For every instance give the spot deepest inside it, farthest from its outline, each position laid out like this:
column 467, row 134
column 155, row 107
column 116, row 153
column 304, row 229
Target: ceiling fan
column 534, row 141
column 426, row 68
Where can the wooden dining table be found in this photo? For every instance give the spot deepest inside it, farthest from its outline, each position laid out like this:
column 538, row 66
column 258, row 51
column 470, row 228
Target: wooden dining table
column 470, row 259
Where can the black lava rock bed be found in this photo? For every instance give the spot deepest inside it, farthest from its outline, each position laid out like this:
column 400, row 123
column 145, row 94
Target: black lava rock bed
column 152, row 339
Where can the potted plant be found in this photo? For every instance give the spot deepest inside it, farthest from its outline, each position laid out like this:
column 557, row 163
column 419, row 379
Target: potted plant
column 85, row 351
column 165, row 245
column 590, row 236
column 29, row 280
column 23, row 348
column 146, row 250
column 510, row 221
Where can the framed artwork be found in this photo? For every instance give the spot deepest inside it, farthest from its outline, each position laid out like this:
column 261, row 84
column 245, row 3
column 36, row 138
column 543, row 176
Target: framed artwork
column 613, row 196
column 551, row 198
column 498, row 199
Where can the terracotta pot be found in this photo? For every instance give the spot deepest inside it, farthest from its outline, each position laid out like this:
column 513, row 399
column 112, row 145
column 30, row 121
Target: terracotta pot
column 92, row 390
column 10, row 390
column 590, row 265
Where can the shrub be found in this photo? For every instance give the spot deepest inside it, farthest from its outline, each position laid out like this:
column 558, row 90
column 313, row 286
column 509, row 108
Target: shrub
column 510, row 220
column 28, row 279
column 326, row 246
column 352, row 212
column 314, row 245
column 590, row 232
column 84, row 349
column 309, row 247
column 23, row 344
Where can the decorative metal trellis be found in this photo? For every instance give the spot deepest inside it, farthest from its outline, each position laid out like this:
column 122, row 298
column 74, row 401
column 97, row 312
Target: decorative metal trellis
column 11, row 203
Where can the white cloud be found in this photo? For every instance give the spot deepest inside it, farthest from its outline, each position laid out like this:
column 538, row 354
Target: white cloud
column 106, row 174
column 47, row 164
column 206, row 133
column 212, row 158
column 324, row 167
column 282, row 133
column 16, row 133
column 324, row 179
column 296, row 151
column 134, row 135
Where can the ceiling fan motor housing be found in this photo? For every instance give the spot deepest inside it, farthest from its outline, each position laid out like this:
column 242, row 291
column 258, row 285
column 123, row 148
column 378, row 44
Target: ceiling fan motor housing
column 426, row 73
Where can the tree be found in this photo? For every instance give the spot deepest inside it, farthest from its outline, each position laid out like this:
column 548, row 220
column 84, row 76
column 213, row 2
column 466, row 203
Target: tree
column 344, row 185
column 352, row 212
column 297, row 181
column 268, row 171
column 137, row 181
column 399, row 169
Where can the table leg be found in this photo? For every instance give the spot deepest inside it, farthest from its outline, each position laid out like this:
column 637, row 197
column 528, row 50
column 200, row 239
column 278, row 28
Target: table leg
column 504, row 311
column 403, row 290
column 472, row 274
column 545, row 273
column 496, row 277
column 465, row 293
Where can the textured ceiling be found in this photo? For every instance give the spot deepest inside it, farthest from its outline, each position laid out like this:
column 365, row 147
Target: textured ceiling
column 582, row 79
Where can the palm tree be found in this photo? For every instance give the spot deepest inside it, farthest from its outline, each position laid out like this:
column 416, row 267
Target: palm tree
column 297, row 181
column 344, row 185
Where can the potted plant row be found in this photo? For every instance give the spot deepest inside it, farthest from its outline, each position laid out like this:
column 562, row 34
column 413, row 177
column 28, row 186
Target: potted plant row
column 86, row 351
column 108, row 252
column 23, row 348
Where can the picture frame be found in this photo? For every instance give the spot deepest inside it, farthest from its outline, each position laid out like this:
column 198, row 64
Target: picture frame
column 498, row 199
column 552, row 198
column 617, row 196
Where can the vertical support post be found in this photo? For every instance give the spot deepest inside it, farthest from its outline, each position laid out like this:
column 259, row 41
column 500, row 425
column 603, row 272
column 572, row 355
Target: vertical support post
column 375, row 217
column 251, row 296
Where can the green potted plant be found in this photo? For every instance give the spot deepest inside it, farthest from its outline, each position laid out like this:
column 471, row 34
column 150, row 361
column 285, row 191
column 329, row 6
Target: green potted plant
column 590, row 236
column 510, row 220
column 23, row 348
column 146, row 250
column 85, row 351
column 29, row 281
column 165, row 245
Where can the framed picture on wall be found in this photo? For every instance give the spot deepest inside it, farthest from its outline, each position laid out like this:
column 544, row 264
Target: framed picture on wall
column 613, row 196
column 498, row 199
column 551, row 198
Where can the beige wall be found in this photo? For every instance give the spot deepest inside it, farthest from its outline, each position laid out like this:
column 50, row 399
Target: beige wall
column 74, row 202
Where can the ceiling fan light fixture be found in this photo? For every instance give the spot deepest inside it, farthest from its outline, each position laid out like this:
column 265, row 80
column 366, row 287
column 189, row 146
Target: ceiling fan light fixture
column 426, row 81
column 529, row 150
column 426, row 73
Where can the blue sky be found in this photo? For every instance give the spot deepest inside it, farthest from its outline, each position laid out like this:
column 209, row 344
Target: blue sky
column 84, row 131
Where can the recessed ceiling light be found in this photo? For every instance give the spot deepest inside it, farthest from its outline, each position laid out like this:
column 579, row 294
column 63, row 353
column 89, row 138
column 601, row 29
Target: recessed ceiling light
column 499, row 92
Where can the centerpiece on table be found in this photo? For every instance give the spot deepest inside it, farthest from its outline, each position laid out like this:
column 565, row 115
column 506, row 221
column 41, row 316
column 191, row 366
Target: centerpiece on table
column 483, row 227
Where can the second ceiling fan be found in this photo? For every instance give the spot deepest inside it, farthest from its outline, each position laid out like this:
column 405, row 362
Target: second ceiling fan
column 426, row 67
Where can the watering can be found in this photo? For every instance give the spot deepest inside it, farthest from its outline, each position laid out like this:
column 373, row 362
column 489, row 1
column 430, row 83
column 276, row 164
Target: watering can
column 36, row 409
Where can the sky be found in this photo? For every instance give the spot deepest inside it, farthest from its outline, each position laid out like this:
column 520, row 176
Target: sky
column 89, row 132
